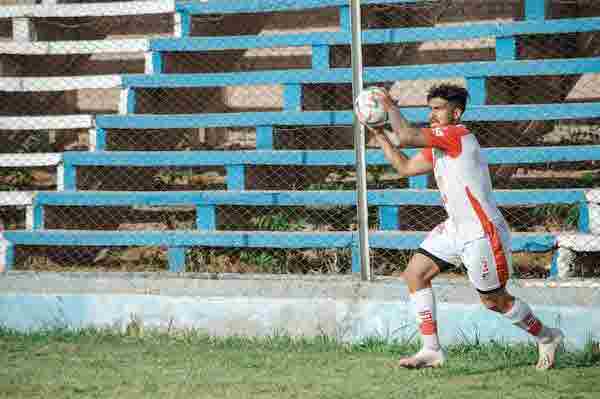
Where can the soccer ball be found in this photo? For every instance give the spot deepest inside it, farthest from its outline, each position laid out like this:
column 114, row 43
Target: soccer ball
column 369, row 109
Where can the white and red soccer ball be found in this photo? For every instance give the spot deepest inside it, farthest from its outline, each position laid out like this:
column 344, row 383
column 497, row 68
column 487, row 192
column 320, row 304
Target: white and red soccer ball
column 368, row 107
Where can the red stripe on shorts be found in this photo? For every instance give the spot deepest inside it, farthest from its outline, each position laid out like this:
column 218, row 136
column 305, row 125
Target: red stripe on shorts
column 493, row 237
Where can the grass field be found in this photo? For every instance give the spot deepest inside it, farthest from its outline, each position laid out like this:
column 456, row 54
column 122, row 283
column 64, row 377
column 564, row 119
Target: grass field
column 104, row 364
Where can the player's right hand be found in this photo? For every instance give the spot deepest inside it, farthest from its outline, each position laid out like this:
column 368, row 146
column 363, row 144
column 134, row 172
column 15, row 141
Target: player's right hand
column 385, row 98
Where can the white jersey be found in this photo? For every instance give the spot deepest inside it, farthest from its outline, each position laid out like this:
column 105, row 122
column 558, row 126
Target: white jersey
column 463, row 178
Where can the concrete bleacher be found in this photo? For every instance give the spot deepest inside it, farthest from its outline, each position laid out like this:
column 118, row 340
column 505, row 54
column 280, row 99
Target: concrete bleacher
column 23, row 16
column 130, row 116
column 205, row 202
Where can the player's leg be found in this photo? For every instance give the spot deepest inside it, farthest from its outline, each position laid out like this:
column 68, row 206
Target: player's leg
column 418, row 274
column 489, row 267
column 521, row 315
column 422, row 268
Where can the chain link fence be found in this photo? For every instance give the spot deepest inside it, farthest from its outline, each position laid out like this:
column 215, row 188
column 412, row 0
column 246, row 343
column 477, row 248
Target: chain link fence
column 289, row 61
column 541, row 212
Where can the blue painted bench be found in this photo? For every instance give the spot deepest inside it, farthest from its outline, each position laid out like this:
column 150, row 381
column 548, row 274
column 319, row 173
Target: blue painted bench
column 261, row 6
column 187, row 9
column 506, row 65
column 491, row 113
column 387, row 201
column 534, row 9
column 502, row 31
column 468, row 70
column 235, row 162
column 506, row 35
column 264, row 122
column 475, row 74
column 178, row 241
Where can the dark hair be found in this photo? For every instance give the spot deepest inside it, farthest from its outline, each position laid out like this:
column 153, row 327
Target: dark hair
column 454, row 94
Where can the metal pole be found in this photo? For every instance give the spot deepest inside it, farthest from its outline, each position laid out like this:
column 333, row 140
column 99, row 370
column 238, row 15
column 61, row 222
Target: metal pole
column 359, row 146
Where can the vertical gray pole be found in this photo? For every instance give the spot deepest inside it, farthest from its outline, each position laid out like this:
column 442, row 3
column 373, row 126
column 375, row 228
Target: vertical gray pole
column 359, row 146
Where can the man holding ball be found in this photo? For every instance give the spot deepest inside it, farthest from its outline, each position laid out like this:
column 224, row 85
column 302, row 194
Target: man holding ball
column 475, row 231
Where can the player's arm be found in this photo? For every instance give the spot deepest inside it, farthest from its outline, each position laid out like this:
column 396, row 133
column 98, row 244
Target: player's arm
column 447, row 138
column 404, row 165
column 406, row 134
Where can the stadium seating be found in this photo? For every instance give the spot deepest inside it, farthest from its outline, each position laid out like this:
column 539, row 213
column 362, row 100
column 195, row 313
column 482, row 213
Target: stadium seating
column 154, row 49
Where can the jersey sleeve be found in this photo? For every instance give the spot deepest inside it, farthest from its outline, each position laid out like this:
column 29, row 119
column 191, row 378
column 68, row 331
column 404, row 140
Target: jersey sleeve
column 447, row 138
column 428, row 154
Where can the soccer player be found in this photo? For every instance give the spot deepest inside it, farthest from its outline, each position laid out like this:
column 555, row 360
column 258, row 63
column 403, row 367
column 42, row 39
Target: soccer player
column 475, row 231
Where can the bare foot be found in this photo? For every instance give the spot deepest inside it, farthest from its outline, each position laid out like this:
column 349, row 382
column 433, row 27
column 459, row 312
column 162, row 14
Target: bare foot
column 423, row 359
column 547, row 351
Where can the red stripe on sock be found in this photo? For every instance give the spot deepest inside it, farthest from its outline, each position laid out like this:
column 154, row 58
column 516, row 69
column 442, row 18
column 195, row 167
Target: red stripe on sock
column 428, row 326
column 534, row 326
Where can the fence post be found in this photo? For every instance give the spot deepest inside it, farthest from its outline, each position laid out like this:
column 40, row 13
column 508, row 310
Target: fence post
column 477, row 90
column 176, row 259
column 506, row 48
column 36, row 219
column 97, row 139
column 264, row 137
column 359, row 146
column 236, row 177
column 7, row 255
column 535, row 9
column 320, row 57
column 388, row 217
column 583, row 221
column 206, row 217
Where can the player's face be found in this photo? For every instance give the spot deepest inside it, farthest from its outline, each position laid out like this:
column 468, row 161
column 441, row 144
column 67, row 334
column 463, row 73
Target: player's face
column 443, row 113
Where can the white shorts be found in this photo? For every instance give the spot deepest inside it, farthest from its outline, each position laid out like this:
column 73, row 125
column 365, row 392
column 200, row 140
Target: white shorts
column 487, row 259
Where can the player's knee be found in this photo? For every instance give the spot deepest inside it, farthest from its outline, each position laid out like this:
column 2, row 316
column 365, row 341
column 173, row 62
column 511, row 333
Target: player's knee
column 412, row 277
column 418, row 275
column 421, row 269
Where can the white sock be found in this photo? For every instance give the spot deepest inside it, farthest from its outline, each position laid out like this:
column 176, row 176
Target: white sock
column 424, row 304
column 522, row 316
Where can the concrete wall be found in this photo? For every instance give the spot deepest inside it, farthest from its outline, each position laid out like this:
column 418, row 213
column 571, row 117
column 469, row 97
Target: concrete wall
column 341, row 307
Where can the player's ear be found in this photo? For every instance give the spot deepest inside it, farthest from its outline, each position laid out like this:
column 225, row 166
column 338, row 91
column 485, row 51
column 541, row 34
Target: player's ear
column 457, row 113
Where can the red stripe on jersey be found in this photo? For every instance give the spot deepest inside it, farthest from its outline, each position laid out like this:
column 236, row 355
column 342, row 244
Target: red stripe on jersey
column 493, row 237
column 447, row 138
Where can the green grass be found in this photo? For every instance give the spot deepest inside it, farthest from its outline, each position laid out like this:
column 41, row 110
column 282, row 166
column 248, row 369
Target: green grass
column 105, row 364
